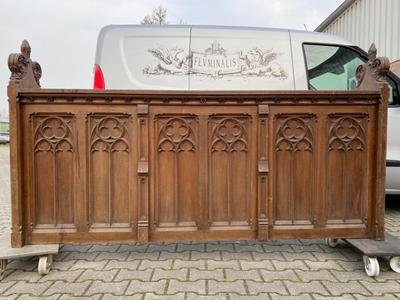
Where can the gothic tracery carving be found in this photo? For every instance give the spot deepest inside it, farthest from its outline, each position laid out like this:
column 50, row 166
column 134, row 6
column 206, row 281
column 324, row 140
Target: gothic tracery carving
column 176, row 134
column 229, row 134
column 346, row 133
column 53, row 134
column 109, row 133
column 294, row 133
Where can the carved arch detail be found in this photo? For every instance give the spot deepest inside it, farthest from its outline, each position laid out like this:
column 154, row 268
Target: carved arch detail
column 53, row 134
column 176, row 134
column 294, row 133
column 346, row 133
column 109, row 133
column 229, row 134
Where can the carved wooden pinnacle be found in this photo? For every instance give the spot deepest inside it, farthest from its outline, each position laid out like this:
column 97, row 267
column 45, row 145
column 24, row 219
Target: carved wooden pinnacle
column 24, row 72
column 372, row 74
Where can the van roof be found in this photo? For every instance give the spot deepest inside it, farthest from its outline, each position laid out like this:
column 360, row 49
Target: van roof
column 295, row 31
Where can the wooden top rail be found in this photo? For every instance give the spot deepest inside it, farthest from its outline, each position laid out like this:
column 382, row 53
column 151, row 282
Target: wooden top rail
column 196, row 97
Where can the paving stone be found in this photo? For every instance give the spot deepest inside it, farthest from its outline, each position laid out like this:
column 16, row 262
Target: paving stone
column 113, row 297
column 11, row 297
column 133, row 248
column 290, row 265
column 151, row 264
column 200, row 247
column 320, row 265
column 134, row 274
column 96, row 265
column 298, row 297
column 341, row 297
column 138, row 286
column 266, row 287
column 176, row 286
column 105, row 276
column 291, row 256
column 211, row 247
column 237, row 255
column 261, row 296
column 29, row 297
column 337, row 289
column 117, row 288
column 144, row 255
column 23, row 265
column 89, row 256
column 193, row 296
column 55, row 275
column 115, row 264
column 104, row 248
column 72, row 288
column 157, row 247
column 22, row 287
column 19, row 275
column 62, row 265
column 215, row 287
column 75, row 247
column 380, row 288
column 383, row 297
column 180, row 274
column 297, row 288
column 121, row 256
column 5, row 286
column 345, row 276
column 277, row 248
column 306, row 248
column 329, row 256
column 322, row 275
column 69, row 297
column 206, row 255
column 249, row 248
column 264, row 264
column 351, row 266
column 268, row 255
column 269, row 276
column 184, row 255
column 229, row 264
column 232, row 275
column 152, row 296
column 195, row 274
column 198, row 264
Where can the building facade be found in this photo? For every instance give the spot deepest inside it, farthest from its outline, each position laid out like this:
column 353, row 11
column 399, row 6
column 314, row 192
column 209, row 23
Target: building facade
column 367, row 21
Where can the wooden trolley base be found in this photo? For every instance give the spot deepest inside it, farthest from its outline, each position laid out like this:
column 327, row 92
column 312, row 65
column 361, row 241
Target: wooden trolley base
column 372, row 249
column 44, row 251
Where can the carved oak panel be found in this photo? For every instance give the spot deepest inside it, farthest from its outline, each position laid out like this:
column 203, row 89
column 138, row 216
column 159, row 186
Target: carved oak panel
column 177, row 161
column 229, row 170
column 53, row 171
column 294, row 168
column 109, row 148
column 346, row 180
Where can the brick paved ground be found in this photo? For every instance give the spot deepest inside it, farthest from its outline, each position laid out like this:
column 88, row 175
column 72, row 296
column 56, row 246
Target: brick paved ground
column 215, row 270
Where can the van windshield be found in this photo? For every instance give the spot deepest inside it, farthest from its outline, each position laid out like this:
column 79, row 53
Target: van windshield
column 334, row 68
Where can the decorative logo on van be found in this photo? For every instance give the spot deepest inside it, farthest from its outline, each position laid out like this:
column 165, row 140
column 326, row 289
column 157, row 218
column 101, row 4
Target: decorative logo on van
column 216, row 62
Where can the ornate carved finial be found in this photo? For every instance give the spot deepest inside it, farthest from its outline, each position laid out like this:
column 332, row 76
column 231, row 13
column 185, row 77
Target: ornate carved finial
column 24, row 71
column 372, row 75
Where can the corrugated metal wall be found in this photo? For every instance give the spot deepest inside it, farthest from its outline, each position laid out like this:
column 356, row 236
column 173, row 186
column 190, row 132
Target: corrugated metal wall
column 367, row 21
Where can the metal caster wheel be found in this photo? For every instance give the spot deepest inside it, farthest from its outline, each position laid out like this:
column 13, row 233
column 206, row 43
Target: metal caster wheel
column 395, row 263
column 331, row 242
column 3, row 266
column 371, row 266
column 44, row 264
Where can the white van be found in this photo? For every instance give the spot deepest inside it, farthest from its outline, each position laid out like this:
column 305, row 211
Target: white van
column 236, row 58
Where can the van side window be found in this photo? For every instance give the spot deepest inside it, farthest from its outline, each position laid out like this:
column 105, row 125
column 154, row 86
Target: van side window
column 334, row 68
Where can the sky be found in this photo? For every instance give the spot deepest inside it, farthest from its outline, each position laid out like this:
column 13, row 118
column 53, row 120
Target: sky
column 63, row 33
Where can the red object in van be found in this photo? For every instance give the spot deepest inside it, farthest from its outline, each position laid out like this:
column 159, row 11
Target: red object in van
column 98, row 83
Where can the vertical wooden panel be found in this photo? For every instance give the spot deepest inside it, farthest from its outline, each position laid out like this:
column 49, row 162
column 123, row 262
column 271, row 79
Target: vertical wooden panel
column 53, row 171
column 230, row 177
column 347, row 173
column 294, row 171
column 177, row 177
column 110, row 181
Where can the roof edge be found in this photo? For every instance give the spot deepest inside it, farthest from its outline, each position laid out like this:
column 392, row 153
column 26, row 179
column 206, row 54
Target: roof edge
column 337, row 12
